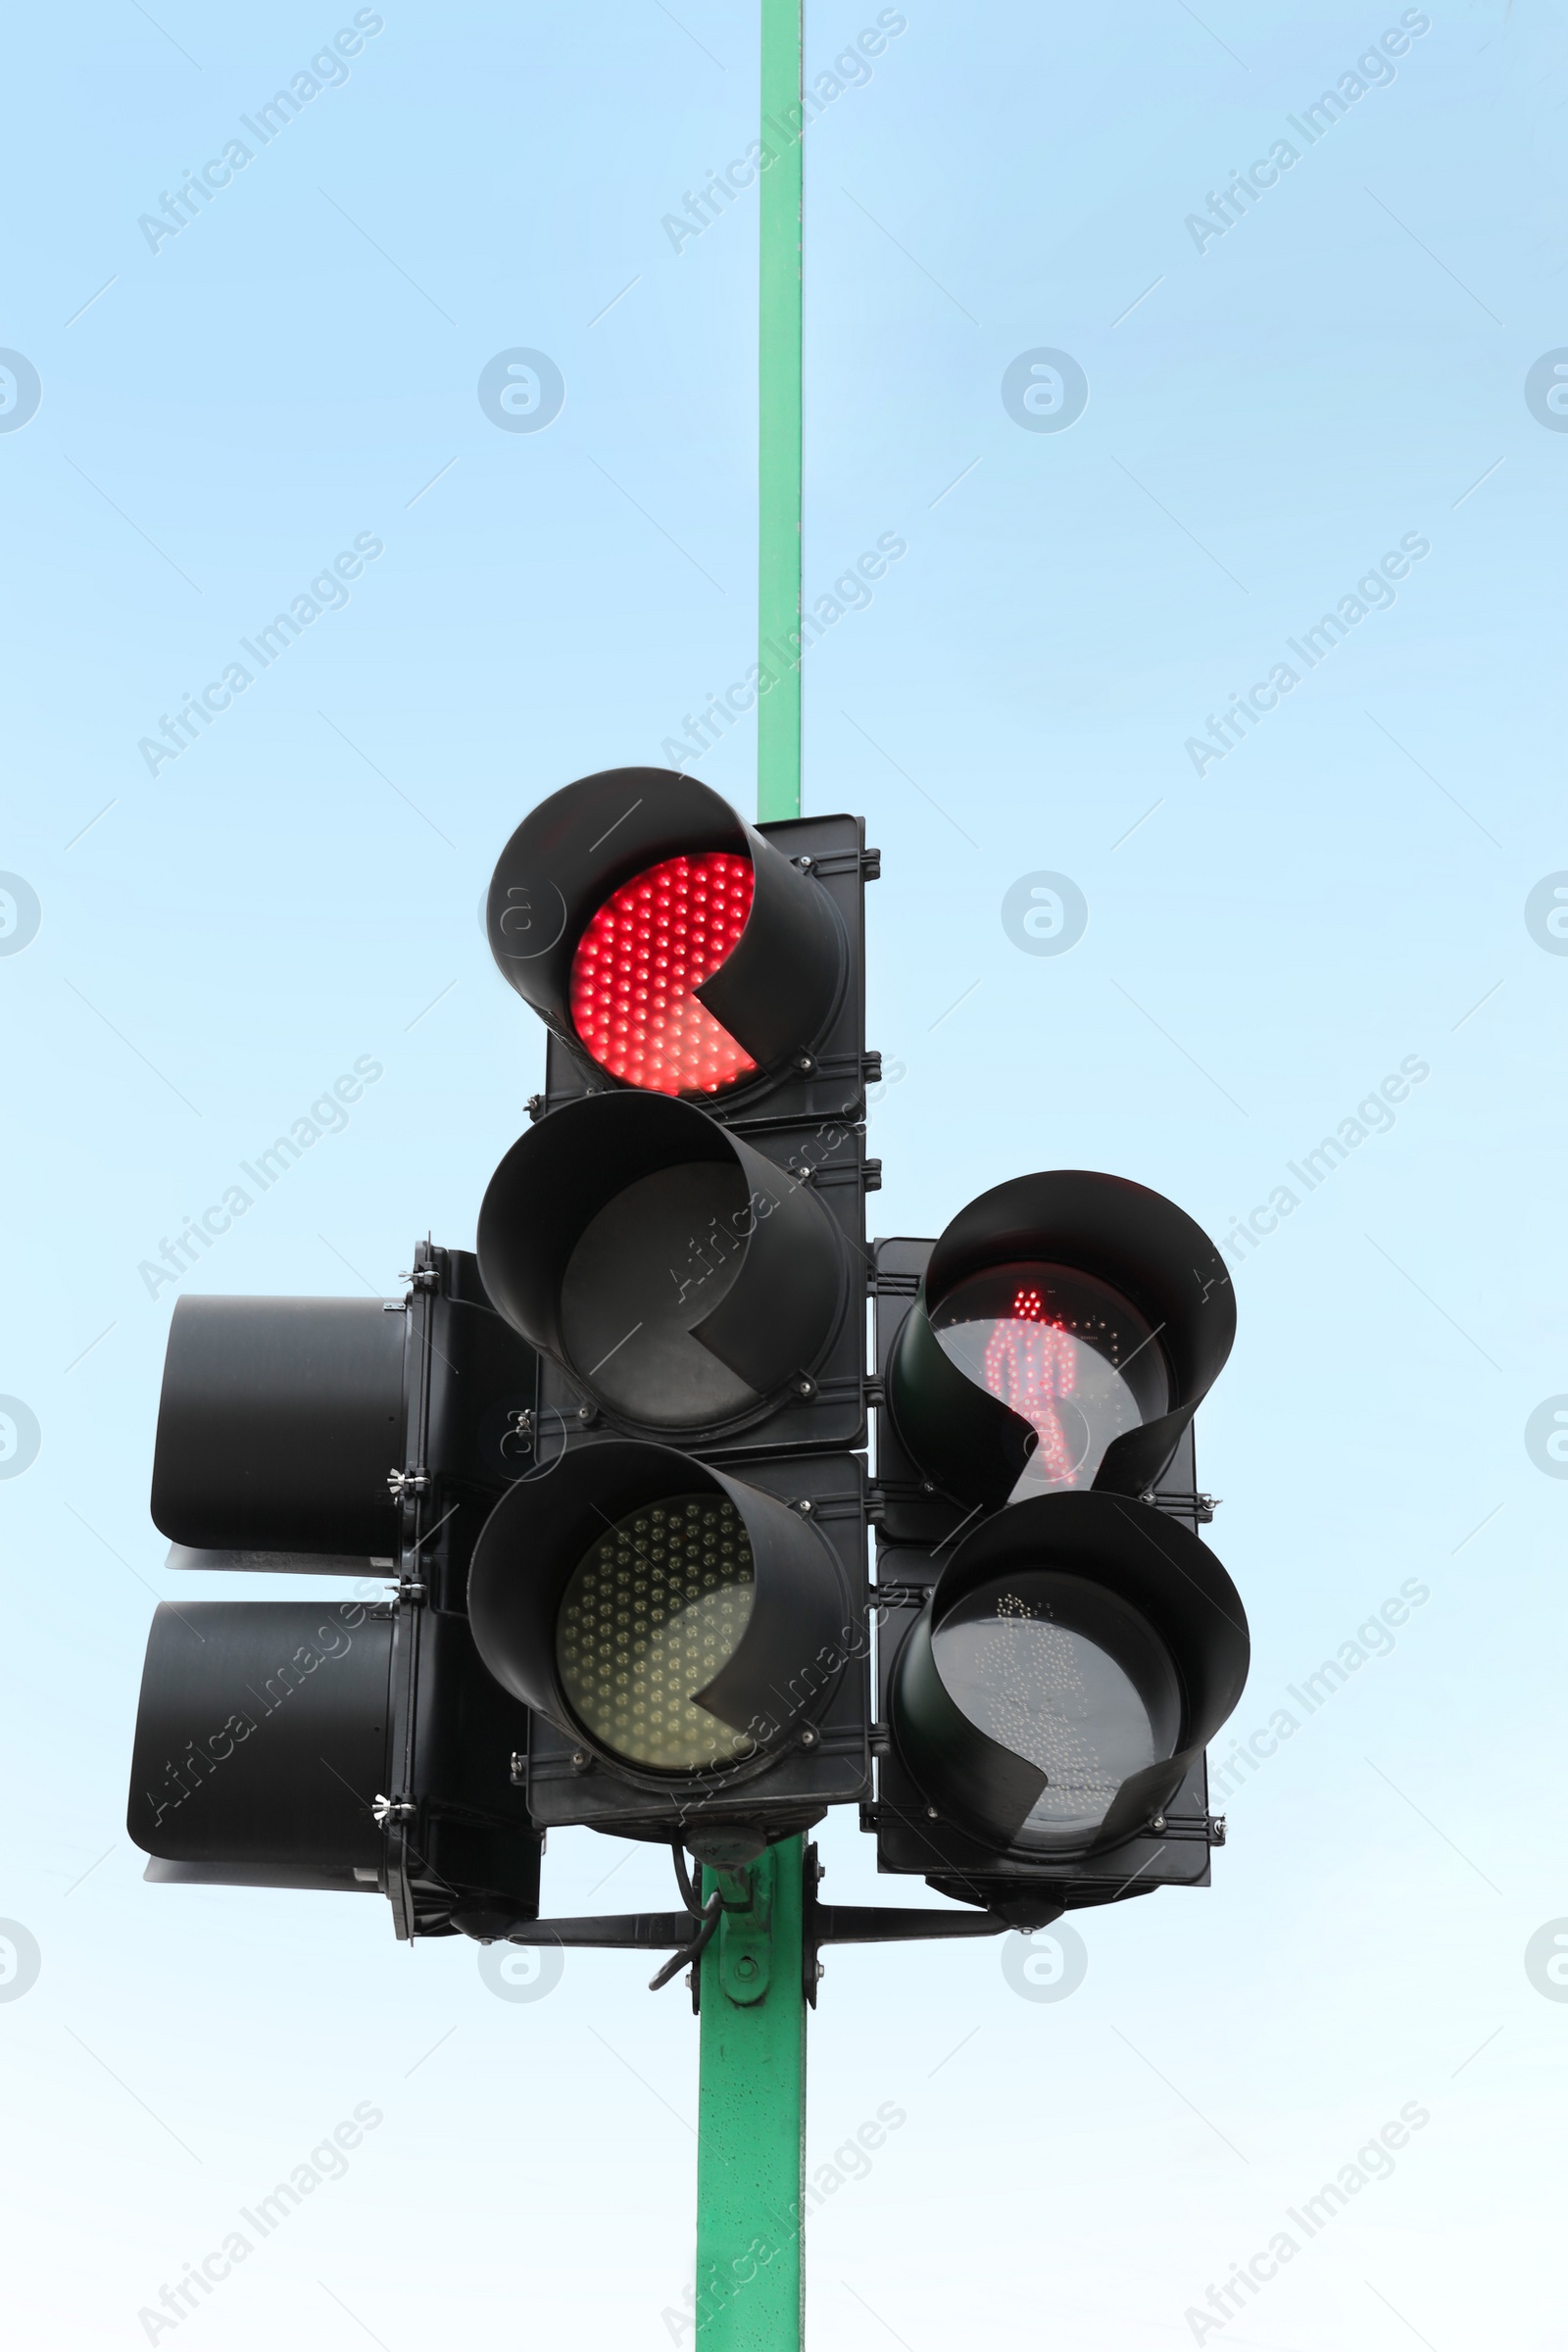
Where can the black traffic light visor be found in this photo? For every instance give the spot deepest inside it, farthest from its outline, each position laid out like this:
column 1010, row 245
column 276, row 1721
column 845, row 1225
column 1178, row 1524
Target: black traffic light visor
column 775, row 992
column 682, row 1279
column 278, row 1425
column 261, row 1740
column 788, row 1658
column 1172, row 1596
column 1134, row 1240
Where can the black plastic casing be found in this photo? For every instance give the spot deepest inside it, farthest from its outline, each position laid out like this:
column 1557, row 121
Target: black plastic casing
column 800, row 1680
column 259, row 1726
column 970, row 1446
column 920, row 1529
column 338, row 1743
column 788, row 1316
column 279, row 1423
column 792, row 1322
column 793, row 991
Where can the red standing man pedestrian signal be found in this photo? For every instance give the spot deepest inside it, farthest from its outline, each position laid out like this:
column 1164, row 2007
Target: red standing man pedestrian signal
column 1030, row 1362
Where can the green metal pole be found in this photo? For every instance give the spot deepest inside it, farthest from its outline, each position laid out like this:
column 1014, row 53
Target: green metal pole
column 778, row 709
column 751, row 2143
column 751, row 2127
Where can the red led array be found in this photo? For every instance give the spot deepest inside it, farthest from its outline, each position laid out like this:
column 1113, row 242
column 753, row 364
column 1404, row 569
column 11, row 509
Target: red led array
column 638, row 964
column 1029, row 1363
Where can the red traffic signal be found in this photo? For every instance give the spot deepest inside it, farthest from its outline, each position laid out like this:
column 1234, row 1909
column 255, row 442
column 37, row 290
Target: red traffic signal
column 1066, row 1328
column 674, row 949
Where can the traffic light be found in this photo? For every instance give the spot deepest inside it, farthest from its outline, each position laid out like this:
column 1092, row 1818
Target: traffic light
column 693, row 1642
column 678, row 1278
column 1058, row 1645
column 357, row 1744
column 672, row 948
column 612, row 1464
column 681, row 1601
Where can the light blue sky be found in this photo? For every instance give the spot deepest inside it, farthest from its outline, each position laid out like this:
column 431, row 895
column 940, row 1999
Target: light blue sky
column 1342, row 892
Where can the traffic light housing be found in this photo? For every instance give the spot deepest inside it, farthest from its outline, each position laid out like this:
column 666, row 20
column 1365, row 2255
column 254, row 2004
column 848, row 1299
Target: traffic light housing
column 680, row 1235
column 327, row 1744
column 1057, row 1645
column 612, row 1465
column 691, row 1640
column 1095, row 1295
column 671, row 947
column 678, row 1278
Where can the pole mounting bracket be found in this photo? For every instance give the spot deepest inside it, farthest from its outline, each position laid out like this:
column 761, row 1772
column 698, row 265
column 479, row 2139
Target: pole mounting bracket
column 746, row 1931
column 875, row 1923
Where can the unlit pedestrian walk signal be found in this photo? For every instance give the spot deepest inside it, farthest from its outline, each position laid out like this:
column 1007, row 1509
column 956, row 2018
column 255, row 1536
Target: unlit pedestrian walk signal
column 601, row 1492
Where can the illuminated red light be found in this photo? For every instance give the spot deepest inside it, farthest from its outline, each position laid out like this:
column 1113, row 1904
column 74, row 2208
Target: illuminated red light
column 639, row 963
column 1029, row 1363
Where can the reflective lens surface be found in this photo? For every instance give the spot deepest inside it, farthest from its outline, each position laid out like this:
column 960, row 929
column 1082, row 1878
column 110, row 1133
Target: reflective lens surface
column 1064, row 1350
column 657, row 1259
column 645, row 952
column 1065, row 1675
column 650, row 1614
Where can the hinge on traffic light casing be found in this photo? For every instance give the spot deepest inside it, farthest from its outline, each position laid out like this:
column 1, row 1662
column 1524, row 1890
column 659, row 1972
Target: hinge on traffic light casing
column 1198, row 1506
column 867, row 863
column 887, row 1285
column 866, row 1173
